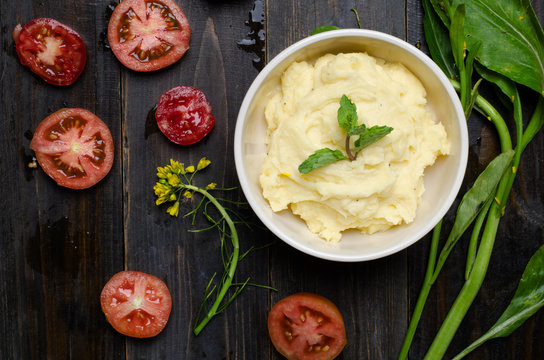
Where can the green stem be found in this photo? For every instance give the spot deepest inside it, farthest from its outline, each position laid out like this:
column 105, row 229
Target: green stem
column 424, row 293
column 233, row 263
column 473, row 244
column 471, row 287
column 492, row 115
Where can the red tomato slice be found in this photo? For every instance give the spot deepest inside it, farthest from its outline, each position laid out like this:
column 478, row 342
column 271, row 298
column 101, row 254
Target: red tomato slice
column 51, row 49
column 147, row 35
column 74, row 147
column 306, row 326
column 136, row 304
column 184, row 115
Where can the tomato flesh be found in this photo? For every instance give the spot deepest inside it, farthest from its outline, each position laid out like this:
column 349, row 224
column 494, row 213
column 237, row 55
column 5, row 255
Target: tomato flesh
column 184, row 115
column 148, row 35
column 74, row 147
column 136, row 304
column 51, row 49
column 306, row 326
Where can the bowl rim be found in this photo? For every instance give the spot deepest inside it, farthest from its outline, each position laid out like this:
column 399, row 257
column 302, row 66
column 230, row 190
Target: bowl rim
column 370, row 34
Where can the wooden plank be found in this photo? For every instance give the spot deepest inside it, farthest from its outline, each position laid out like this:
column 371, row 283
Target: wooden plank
column 162, row 245
column 58, row 245
column 368, row 294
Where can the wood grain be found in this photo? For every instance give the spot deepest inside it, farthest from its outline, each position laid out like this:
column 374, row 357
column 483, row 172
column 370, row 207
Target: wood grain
column 59, row 247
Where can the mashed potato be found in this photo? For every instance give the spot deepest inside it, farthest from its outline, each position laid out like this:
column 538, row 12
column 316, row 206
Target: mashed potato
column 383, row 186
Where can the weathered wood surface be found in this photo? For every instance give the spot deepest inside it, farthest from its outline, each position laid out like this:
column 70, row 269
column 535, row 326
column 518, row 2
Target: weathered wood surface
column 59, row 247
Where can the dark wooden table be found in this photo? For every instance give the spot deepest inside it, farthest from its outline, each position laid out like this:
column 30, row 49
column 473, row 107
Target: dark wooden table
column 59, row 247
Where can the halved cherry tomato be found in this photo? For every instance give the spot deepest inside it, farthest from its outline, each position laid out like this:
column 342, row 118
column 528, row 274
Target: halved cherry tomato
column 306, row 326
column 136, row 304
column 184, row 115
column 51, row 49
column 147, row 35
column 74, row 147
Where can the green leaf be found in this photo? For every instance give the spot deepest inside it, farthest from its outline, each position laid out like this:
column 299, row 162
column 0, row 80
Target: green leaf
column 527, row 300
column 357, row 130
column 325, row 28
column 370, row 136
column 444, row 10
column 457, row 36
column 347, row 114
column 437, row 38
column 473, row 201
column 512, row 39
column 319, row 159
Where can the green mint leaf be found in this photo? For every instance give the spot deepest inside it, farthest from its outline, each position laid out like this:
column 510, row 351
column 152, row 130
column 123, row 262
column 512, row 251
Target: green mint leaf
column 321, row 29
column 347, row 114
column 319, row 159
column 370, row 136
column 357, row 130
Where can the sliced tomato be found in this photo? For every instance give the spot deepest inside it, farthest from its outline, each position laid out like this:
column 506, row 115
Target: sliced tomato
column 306, row 326
column 74, row 147
column 51, row 49
column 184, row 115
column 136, row 304
column 147, row 35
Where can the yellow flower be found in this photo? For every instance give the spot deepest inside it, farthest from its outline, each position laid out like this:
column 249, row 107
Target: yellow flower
column 173, row 180
column 162, row 199
column 161, row 189
column 188, row 194
column 176, row 167
column 172, row 197
column 161, row 172
column 211, row 186
column 174, row 209
column 190, row 169
column 203, row 163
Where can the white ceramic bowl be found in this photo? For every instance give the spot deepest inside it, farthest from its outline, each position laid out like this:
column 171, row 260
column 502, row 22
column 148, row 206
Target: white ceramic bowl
column 442, row 180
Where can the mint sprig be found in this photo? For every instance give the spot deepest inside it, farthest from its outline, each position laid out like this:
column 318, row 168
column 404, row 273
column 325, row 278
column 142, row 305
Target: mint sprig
column 348, row 121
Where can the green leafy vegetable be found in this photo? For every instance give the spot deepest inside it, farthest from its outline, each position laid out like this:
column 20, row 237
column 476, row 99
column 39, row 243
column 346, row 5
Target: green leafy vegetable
column 348, row 121
column 325, row 28
column 438, row 41
column 527, row 300
column 507, row 27
column 319, row 159
column 483, row 34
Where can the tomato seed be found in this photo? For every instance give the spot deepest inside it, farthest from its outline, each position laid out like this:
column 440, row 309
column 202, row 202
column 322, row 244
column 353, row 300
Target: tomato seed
column 43, row 30
column 302, row 317
column 325, row 348
column 317, row 348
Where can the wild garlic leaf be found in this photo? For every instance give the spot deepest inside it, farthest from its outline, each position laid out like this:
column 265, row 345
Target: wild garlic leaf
column 515, row 31
column 319, row 159
column 325, row 28
column 347, row 114
column 437, row 38
column 370, row 136
column 527, row 300
column 474, row 201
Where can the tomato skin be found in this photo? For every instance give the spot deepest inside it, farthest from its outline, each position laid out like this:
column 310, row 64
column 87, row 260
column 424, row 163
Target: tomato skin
column 136, row 304
column 184, row 115
column 74, row 147
column 307, row 326
column 148, row 35
column 52, row 50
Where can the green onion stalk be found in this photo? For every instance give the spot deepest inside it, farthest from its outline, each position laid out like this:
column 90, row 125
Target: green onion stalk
column 477, row 259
